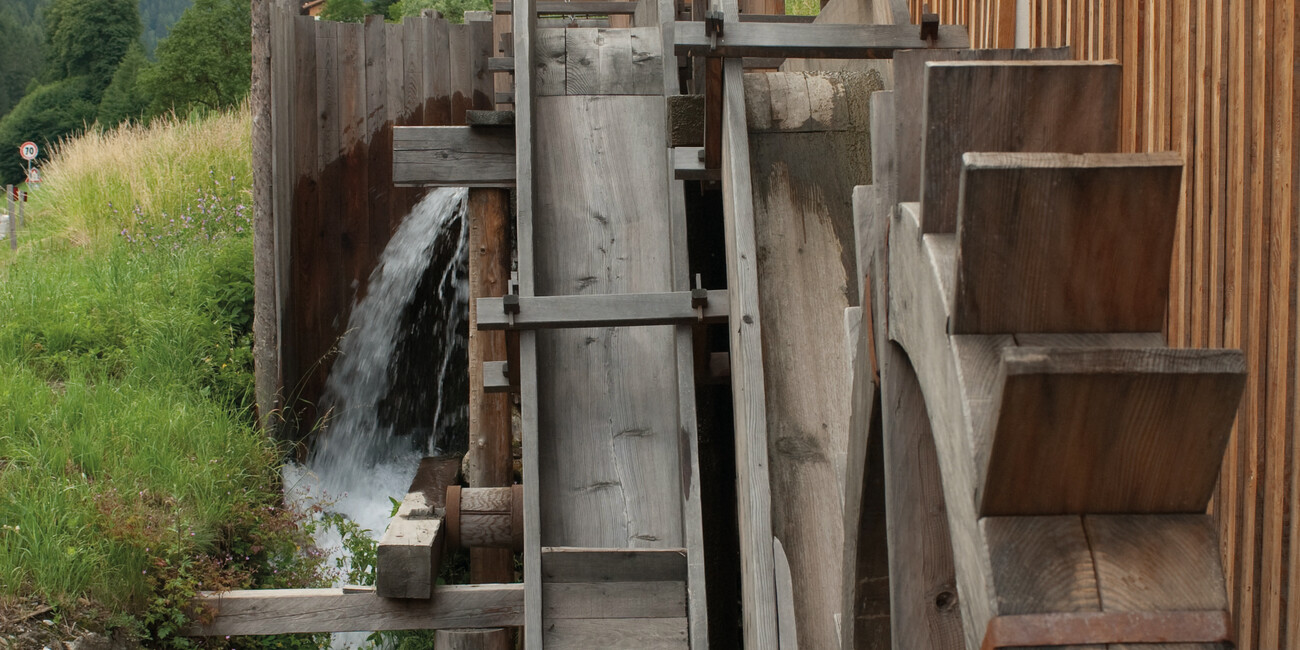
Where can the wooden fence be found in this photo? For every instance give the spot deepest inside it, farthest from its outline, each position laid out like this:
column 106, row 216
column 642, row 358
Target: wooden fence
column 1216, row 81
column 337, row 90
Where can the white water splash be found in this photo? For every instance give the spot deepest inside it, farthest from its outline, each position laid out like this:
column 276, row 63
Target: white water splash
column 359, row 461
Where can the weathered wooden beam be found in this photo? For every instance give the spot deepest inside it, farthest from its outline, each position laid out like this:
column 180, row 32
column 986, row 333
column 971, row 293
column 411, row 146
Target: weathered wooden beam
column 602, row 310
column 776, row 18
column 453, row 156
column 495, row 377
column 810, row 41
column 483, row 119
column 576, row 8
column 355, row 609
column 410, row 552
column 754, row 498
column 688, row 165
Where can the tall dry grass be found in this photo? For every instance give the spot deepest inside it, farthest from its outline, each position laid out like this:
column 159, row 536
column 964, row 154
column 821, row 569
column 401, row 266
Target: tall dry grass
column 95, row 183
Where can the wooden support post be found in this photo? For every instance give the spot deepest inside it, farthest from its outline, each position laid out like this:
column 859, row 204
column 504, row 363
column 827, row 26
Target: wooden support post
column 488, row 458
column 266, row 371
column 22, row 202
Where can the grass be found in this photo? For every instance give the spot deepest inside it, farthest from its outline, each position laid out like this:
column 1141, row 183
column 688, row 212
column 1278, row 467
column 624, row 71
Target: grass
column 803, row 7
column 131, row 474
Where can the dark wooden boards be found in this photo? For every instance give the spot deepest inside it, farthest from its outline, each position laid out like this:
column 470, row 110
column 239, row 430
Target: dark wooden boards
column 357, row 609
column 1064, row 243
column 909, row 88
column 810, row 41
column 1101, row 430
column 453, row 156
column 602, row 310
column 1010, row 106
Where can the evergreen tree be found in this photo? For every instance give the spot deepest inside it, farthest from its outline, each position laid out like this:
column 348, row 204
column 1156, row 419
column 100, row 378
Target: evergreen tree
column 88, row 38
column 125, row 99
column 47, row 114
column 206, row 60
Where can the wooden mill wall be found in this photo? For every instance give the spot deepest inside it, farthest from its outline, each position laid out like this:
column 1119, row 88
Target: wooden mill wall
column 337, row 90
column 1216, row 81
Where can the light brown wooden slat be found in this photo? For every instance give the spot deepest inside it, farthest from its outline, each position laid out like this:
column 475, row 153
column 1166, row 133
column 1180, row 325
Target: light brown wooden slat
column 1022, row 107
column 1064, row 243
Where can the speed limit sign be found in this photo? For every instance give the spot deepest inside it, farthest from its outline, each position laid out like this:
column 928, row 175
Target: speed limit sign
column 28, row 150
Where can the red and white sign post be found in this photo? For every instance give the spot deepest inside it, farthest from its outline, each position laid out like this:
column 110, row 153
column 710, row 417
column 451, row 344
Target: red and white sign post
column 28, row 150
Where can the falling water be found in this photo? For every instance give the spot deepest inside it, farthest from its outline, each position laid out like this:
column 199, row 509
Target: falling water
column 397, row 390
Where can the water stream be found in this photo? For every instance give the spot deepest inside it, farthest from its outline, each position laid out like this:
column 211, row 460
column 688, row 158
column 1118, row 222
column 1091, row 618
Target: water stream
column 398, row 389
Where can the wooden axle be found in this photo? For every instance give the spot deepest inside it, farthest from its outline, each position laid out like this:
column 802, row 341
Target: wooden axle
column 485, row 517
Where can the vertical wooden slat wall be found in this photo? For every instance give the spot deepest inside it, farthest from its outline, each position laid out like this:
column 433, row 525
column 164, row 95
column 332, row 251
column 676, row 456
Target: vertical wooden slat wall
column 337, row 91
column 1216, row 81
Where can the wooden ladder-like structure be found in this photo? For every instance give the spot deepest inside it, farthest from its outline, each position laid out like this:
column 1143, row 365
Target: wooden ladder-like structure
column 1054, row 456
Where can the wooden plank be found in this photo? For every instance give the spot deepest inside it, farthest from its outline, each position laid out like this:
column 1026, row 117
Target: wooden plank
column 1157, row 563
column 775, row 18
column 550, row 59
column 802, row 131
column 1146, row 429
column 610, row 449
column 482, row 86
column 1041, row 565
column 1064, row 243
column 923, row 608
column 787, row 626
column 1023, row 107
column 524, row 26
column 614, row 600
column 379, row 128
column 602, row 310
column 810, row 41
column 618, row 634
column 453, row 156
column 574, row 8
column 467, row 639
column 613, row 62
column 758, row 589
column 354, row 240
column 909, row 89
column 587, row 565
column 462, row 72
column 356, row 609
column 489, row 458
column 495, row 379
column 438, row 84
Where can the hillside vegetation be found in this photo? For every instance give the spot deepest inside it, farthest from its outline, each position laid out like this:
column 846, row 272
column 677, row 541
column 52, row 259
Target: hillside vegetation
column 131, row 474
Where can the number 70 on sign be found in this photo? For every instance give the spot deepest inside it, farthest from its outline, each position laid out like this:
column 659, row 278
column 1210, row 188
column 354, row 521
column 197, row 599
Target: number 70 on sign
column 28, row 150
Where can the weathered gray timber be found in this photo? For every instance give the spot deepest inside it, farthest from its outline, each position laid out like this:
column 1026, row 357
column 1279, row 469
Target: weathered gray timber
column 609, row 452
column 495, row 379
column 602, row 310
column 808, row 137
column 357, row 609
column 810, row 41
column 453, row 156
